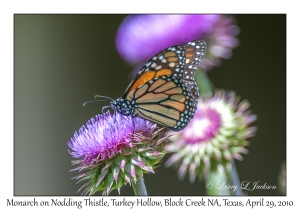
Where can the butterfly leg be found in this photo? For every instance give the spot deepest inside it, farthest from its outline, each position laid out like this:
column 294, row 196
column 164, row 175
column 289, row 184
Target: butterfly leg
column 133, row 127
column 115, row 115
column 104, row 108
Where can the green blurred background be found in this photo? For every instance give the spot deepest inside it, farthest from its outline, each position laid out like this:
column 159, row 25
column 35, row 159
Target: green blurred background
column 61, row 61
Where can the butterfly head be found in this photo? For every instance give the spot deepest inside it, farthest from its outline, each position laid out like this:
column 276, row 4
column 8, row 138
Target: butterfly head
column 123, row 106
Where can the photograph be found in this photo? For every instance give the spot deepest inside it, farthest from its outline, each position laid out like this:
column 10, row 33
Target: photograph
column 149, row 104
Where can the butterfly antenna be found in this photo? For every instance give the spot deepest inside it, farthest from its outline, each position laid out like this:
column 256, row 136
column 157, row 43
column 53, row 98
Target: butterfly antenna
column 92, row 101
column 99, row 96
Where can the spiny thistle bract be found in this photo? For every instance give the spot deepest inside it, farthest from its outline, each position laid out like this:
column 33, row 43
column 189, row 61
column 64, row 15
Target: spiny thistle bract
column 215, row 136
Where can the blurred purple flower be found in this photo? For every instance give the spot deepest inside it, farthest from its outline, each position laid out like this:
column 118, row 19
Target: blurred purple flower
column 216, row 135
column 140, row 37
column 116, row 149
column 220, row 42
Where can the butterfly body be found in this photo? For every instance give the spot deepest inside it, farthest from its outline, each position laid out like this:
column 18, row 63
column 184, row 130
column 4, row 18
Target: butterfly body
column 164, row 91
column 124, row 107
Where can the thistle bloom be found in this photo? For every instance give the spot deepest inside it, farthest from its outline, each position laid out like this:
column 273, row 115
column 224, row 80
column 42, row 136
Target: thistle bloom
column 116, row 150
column 220, row 41
column 216, row 135
column 140, row 37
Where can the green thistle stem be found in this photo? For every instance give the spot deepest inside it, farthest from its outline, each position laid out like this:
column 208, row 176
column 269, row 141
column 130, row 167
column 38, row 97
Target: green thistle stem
column 139, row 187
column 203, row 82
column 215, row 179
column 214, row 184
column 235, row 180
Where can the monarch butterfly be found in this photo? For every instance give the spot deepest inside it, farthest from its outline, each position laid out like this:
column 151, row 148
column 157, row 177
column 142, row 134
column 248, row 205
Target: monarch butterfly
column 164, row 91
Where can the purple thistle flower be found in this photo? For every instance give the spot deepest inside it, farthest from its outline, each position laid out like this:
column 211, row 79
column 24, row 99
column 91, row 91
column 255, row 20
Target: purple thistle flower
column 116, row 150
column 140, row 37
column 216, row 135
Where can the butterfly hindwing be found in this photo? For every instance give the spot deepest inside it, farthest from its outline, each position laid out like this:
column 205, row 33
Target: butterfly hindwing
column 164, row 100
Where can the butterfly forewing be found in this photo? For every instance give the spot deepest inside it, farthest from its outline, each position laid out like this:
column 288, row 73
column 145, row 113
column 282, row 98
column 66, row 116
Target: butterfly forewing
column 180, row 61
column 168, row 62
column 194, row 52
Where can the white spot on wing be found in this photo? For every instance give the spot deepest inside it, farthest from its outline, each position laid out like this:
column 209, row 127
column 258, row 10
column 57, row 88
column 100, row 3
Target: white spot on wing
column 172, row 64
column 153, row 65
column 158, row 67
